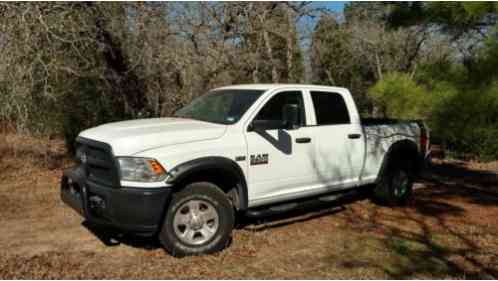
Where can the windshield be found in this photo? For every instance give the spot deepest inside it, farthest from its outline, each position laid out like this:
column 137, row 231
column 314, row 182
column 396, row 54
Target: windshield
column 221, row 106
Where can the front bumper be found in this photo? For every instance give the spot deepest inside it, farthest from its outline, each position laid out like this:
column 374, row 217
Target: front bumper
column 130, row 209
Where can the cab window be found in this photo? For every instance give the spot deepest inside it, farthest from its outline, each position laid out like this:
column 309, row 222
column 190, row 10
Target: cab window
column 330, row 108
column 272, row 112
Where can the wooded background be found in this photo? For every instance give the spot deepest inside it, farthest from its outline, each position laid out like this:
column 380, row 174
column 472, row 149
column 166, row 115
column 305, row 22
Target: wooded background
column 65, row 67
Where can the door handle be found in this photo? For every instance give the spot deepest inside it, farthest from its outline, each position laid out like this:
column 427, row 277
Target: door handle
column 354, row 136
column 303, row 140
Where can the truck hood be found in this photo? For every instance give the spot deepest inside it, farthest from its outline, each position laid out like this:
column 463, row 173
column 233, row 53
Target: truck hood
column 134, row 136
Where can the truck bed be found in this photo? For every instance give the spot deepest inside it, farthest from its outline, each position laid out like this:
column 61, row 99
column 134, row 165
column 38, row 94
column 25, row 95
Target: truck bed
column 380, row 135
column 384, row 121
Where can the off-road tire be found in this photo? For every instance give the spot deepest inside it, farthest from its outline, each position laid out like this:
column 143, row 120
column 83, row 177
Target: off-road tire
column 195, row 192
column 388, row 190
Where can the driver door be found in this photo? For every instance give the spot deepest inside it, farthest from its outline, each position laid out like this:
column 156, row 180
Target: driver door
column 279, row 158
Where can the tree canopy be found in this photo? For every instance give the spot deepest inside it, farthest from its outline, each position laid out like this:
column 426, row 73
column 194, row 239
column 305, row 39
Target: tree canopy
column 66, row 67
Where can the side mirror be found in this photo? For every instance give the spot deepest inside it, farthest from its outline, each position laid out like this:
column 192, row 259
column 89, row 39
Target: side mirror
column 291, row 116
column 258, row 125
column 290, row 120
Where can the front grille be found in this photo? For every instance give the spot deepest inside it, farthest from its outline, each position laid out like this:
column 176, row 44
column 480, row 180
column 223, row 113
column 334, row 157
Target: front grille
column 100, row 166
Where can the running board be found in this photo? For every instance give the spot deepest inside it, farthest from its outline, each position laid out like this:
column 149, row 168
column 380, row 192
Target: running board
column 270, row 211
column 334, row 197
column 289, row 206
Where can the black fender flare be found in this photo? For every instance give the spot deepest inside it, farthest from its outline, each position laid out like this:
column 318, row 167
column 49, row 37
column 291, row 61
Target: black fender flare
column 189, row 168
column 396, row 147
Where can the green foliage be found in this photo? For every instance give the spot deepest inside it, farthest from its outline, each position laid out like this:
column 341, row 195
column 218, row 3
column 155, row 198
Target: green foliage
column 442, row 70
column 465, row 118
column 398, row 96
column 376, row 11
column 405, row 13
column 452, row 13
column 455, row 17
column 333, row 63
column 457, row 95
column 459, row 16
column 468, row 121
column 486, row 62
column 478, row 9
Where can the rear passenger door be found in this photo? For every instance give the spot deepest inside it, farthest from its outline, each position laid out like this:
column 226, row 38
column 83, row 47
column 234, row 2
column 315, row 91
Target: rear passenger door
column 338, row 141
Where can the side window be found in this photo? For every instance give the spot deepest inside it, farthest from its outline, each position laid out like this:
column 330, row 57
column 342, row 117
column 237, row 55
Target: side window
column 330, row 108
column 272, row 111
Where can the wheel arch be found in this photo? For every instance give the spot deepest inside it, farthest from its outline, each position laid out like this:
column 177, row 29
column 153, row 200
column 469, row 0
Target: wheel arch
column 221, row 171
column 399, row 150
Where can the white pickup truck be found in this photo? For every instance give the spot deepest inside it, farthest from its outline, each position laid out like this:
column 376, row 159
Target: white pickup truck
column 245, row 150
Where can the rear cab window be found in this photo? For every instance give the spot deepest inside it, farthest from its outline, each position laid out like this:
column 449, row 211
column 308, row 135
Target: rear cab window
column 330, row 108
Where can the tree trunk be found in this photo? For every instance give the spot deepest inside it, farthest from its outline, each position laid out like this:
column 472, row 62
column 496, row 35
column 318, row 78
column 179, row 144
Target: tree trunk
column 378, row 66
column 269, row 52
column 255, row 74
column 123, row 80
column 290, row 45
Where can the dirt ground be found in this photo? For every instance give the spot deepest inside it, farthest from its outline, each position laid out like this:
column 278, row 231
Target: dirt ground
column 449, row 230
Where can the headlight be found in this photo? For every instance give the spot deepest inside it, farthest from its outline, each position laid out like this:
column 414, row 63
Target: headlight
column 141, row 169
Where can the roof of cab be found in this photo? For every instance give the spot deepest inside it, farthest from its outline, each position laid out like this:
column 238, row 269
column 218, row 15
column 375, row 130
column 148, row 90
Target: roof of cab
column 277, row 86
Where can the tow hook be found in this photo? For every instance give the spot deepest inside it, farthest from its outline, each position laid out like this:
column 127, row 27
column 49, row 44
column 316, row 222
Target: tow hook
column 96, row 203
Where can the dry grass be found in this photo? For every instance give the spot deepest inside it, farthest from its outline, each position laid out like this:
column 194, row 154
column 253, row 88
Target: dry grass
column 448, row 231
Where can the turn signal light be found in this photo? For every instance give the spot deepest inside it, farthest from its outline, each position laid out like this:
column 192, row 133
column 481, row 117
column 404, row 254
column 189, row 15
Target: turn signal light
column 156, row 167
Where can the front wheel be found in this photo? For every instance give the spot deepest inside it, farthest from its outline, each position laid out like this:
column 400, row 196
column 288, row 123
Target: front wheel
column 199, row 221
column 395, row 186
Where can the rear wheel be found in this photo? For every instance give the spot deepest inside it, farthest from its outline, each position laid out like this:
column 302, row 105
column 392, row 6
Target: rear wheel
column 395, row 186
column 199, row 221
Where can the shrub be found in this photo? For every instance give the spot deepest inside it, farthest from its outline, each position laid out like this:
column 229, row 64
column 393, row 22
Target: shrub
column 469, row 121
column 398, row 96
column 465, row 119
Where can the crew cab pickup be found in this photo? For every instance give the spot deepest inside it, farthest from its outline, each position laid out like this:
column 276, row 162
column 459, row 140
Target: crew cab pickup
column 244, row 150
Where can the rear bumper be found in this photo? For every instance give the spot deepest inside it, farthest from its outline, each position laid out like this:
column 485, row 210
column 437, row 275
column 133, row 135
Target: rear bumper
column 130, row 209
column 425, row 160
